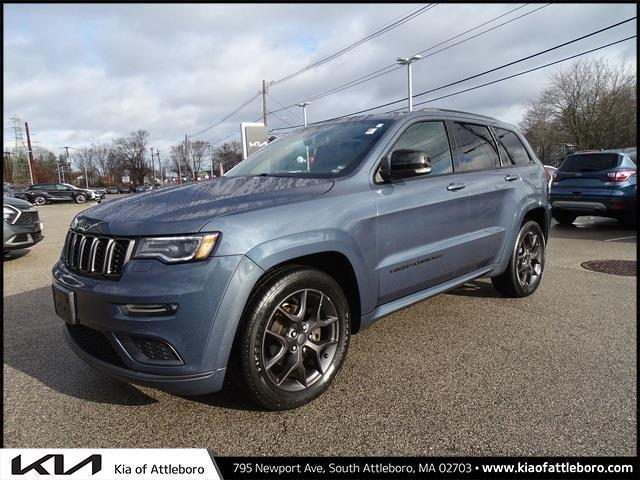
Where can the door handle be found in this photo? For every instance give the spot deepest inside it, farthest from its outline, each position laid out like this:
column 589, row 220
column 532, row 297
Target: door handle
column 452, row 187
column 511, row 178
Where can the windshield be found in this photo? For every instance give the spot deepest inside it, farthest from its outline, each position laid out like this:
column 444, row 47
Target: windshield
column 590, row 162
column 324, row 151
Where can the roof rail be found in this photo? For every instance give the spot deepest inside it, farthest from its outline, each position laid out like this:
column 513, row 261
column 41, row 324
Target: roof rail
column 434, row 109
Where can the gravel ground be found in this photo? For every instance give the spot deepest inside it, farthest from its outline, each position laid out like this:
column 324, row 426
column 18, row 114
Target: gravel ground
column 464, row 373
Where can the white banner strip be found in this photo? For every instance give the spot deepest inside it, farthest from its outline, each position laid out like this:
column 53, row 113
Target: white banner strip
column 107, row 464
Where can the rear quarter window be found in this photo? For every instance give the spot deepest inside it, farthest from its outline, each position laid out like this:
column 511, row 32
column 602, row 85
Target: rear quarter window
column 512, row 150
column 590, row 162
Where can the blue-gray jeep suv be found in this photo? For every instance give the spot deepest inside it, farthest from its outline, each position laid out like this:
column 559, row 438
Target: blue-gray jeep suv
column 266, row 272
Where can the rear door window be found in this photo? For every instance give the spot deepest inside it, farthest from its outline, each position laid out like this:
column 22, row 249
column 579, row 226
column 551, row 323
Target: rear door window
column 476, row 149
column 590, row 162
column 512, row 150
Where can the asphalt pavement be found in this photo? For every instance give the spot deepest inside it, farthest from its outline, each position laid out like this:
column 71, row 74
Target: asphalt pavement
column 464, row 373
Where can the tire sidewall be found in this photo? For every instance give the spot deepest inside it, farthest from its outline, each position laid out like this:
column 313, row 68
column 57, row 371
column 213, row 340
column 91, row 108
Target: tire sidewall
column 259, row 314
column 529, row 226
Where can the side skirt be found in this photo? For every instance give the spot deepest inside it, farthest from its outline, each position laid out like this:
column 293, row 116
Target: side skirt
column 404, row 302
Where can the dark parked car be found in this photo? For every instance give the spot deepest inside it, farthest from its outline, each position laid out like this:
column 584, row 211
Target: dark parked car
column 265, row 273
column 142, row 188
column 601, row 183
column 59, row 192
column 22, row 227
column 124, row 189
column 112, row 190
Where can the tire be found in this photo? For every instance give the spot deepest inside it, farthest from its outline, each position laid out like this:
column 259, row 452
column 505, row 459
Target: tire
column 39, row 200
column 526, row 266
column 80, row 198
column 279, row 359
column 564, row 218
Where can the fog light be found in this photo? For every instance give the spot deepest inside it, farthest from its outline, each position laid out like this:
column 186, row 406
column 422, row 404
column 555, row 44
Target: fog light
column 149, row 309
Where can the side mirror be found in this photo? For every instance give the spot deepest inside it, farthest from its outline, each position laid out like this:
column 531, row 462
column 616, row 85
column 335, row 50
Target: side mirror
column 405, row 164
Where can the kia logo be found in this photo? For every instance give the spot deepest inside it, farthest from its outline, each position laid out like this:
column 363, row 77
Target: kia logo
column 257, row 144
column 58, row 465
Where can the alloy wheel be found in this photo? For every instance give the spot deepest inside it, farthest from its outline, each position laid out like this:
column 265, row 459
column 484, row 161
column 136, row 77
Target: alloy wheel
column 300, row 340
column 530, row 258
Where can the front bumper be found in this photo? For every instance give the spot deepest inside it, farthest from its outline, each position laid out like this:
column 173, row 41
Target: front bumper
column 200, row 332
column 17, row 237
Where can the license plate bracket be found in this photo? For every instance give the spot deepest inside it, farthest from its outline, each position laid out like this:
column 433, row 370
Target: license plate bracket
column 65, row 303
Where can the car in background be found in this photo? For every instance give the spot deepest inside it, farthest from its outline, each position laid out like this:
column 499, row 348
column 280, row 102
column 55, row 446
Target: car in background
column 98, row 193
column 142, row 188
column 550, row 172
column 124, row 189
column 600, row 183
column 43, row 193
column 22, row 227
column 111, row 190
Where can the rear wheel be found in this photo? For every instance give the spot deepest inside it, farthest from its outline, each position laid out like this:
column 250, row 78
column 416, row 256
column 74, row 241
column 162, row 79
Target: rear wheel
column 564, row 218
column 294, row 339
column 524, row 273
column 39, row 200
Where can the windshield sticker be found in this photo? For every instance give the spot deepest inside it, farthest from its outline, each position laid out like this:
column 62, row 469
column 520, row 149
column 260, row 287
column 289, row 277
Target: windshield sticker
column 370, row 131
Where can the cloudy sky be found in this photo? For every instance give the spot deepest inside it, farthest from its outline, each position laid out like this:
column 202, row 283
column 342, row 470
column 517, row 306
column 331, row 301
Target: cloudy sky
column 88, row 73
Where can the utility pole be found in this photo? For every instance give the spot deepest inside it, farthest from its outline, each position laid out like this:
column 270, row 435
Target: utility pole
column 264, row 102
column 186, row 151
column 68, row 162
column 211, row 158
column 26, row 127
column 408, row 61
column 304, row 111
column 153, row 169
column 160, row 166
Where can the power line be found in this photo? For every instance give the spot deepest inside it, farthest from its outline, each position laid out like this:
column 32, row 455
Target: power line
column 357, row 43
column 472, row 88
column 525, row 71
column 393, row 67
column 227, row 117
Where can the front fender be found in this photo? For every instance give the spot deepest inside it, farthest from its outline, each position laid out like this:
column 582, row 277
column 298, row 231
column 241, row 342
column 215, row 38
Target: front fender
column 284, row 249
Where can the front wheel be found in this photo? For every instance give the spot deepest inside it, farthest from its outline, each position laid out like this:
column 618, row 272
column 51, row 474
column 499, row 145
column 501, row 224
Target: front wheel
column 524, row 273
column 293, row 340
column 39, row 200
column 81, row 198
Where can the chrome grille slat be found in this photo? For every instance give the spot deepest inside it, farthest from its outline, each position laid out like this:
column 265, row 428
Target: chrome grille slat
column 96, row 255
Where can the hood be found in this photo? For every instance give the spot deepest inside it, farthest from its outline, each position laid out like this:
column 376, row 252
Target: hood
column 187, row 208
column 16, row 202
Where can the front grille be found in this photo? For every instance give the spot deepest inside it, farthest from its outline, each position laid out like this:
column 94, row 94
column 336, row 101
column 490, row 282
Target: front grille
column 94, row 255
column 95, row 343
column 27, row 218
column 155, row 349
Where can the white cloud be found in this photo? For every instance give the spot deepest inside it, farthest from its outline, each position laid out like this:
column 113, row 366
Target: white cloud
column 85, row 73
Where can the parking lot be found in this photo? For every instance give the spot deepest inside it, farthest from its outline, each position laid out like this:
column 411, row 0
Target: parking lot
column 464, row 373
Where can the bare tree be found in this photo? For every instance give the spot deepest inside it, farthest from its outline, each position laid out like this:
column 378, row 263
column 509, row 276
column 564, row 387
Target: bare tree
column 591, row 105
column 130, row 155
column 228, row 154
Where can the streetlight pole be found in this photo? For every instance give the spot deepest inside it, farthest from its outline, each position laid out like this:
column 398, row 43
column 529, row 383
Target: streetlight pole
column 304, row 111
column 408, row 61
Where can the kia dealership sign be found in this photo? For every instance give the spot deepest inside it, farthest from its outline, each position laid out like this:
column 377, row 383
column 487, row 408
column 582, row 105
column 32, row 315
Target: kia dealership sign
column 254, row 137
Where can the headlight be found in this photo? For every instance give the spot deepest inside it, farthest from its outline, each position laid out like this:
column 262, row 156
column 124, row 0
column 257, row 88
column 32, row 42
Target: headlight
column 177, row 249
column 9, row 213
